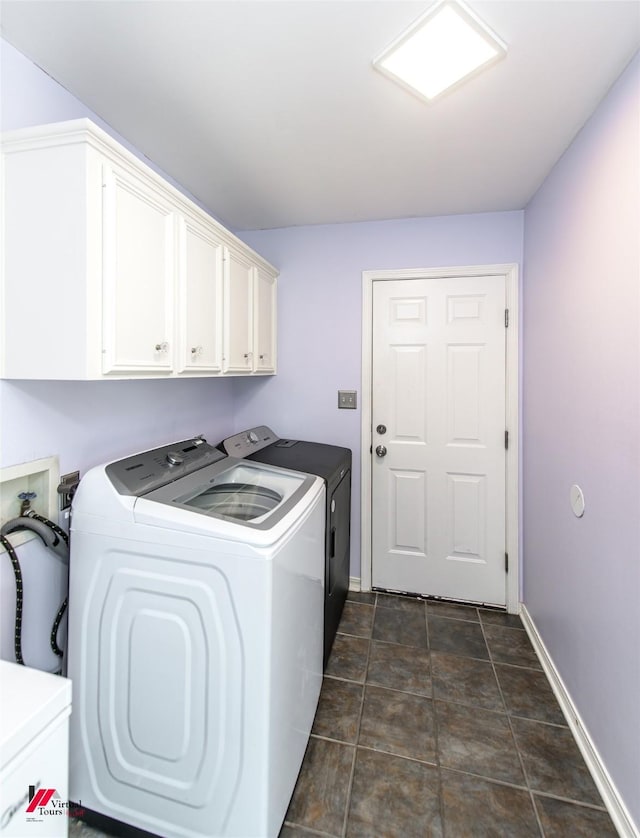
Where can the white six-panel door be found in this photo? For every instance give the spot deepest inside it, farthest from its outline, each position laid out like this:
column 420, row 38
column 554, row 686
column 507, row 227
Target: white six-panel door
column 438, row 481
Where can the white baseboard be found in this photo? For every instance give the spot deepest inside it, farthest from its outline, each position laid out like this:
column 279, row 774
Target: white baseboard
column 354, row 583
column 610, row 795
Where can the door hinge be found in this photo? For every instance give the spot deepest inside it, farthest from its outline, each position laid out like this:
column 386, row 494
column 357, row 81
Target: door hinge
column 506, row 563
column 506, row 318
column 506, row 440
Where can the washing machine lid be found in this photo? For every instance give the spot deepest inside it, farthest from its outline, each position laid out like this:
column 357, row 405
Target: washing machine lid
column 253, row 495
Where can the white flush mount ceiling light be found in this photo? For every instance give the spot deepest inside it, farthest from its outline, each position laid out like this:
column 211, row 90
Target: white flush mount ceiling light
column 445, row 46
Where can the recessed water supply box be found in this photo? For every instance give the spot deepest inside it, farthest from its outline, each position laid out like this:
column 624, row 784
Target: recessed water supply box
column 37, row 482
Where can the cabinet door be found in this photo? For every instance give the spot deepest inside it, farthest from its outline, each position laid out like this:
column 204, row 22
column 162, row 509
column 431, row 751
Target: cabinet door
column 264, row 334
column 200, row 299
column 138, row 273
column 238, row 306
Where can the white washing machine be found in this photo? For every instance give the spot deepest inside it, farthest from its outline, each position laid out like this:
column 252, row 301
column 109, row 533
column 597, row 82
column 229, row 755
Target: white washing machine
column 195, row 640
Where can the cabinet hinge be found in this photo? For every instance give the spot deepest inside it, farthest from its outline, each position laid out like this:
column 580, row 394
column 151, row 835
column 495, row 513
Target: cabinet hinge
column 506, row 563
column 506, row 440
column 506, row 318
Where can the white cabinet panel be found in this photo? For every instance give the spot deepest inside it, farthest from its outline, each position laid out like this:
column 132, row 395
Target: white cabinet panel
column 138, row 255
column 264, row 337
column 238, row 298
column 250, row 316
column 200, row 299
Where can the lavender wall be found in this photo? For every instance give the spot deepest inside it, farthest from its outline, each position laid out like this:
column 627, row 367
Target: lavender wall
column 319, row 341
column 320, row 314
column 582, row 425
column 29, row 97
column 83, row 423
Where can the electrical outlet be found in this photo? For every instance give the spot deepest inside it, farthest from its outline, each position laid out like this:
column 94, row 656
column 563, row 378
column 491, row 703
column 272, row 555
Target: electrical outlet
column 347, row 399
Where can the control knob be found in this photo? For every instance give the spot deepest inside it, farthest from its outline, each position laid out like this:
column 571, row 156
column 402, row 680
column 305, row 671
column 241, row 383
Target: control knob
column 252, row 436
column 175, row 459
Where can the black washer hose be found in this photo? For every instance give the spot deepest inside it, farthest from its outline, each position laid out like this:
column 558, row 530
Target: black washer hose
column 26, row 523
column 17, row 572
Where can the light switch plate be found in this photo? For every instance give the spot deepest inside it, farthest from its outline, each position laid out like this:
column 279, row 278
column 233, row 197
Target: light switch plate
column 347, row 399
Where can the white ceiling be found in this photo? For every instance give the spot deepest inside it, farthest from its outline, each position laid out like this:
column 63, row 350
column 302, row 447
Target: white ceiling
column 272, row 115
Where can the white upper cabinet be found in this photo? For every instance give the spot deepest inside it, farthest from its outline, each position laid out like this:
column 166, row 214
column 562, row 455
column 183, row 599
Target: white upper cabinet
column 200, row 298
column 110, row 272
column 250, row 336
column 264, row 322
column 238, row 331
column 138, row 276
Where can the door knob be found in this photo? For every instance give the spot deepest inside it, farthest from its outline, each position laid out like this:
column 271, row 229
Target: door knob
column 381, row 450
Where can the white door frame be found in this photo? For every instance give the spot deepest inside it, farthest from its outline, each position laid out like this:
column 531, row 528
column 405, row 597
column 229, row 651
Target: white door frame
column 510, row 273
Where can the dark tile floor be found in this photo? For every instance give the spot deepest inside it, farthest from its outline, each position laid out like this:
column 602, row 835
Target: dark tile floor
column 437, row 720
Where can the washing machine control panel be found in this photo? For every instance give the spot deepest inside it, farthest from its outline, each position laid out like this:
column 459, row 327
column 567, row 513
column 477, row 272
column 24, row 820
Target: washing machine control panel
column 175, row 459
column 150, row 470
column 247, row 442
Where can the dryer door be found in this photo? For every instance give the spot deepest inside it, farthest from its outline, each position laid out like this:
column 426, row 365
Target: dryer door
column 337, row 566
column 339, row 533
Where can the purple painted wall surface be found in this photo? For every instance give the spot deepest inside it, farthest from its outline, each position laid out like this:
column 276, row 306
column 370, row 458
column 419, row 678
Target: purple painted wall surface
column 320, row 315
column 83, row 423
column 319, row 345
column 29, row 97
column 582, row 425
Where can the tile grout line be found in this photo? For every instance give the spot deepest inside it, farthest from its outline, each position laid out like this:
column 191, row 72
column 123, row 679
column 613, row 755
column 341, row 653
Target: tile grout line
column 355, row 749
column 513, row 735
column 435, row 727
column 307, row 830
column 394, row 754
column 583, row 803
